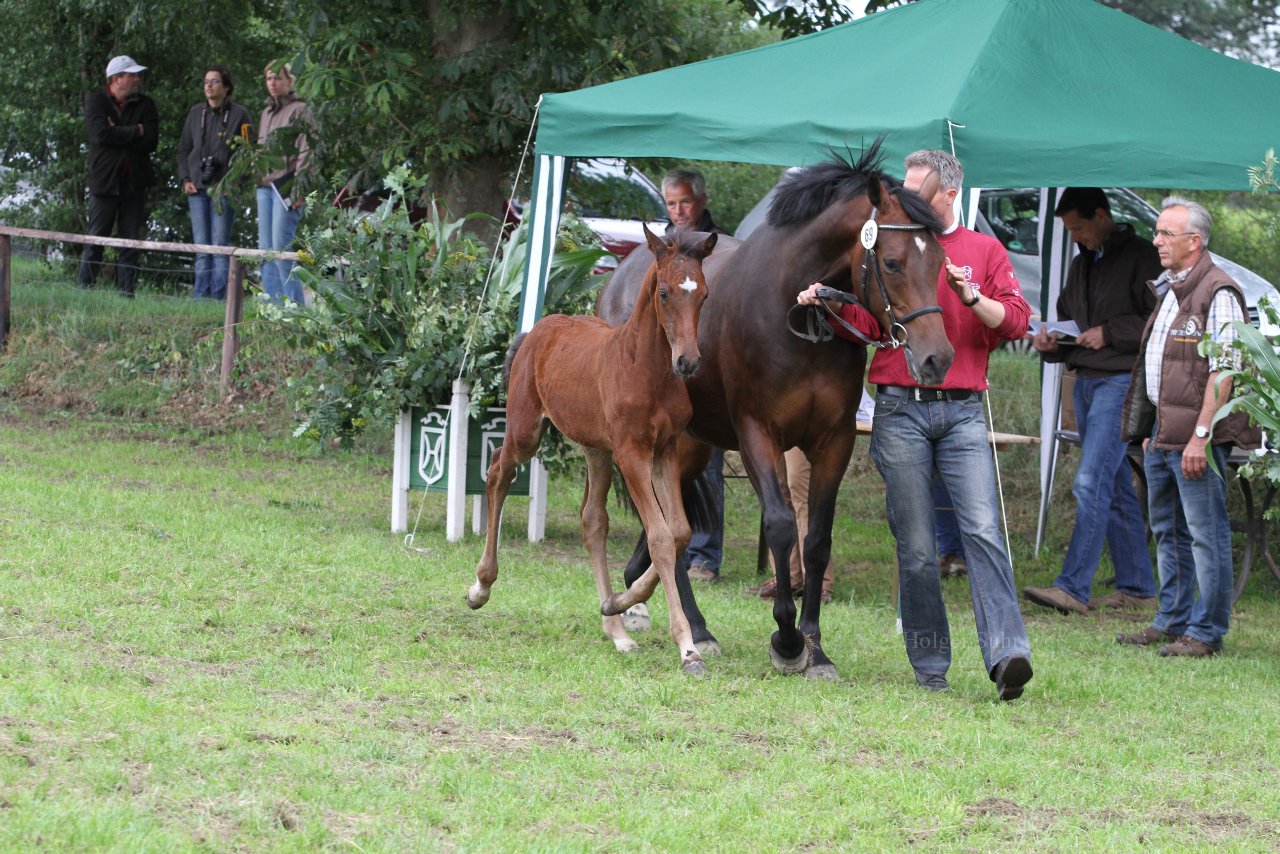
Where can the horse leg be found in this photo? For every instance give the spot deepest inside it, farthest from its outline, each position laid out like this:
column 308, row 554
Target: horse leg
column 636, row 618
column 694, row 498
column 788, row 648
column 637, row 470
column 827, row 465
column 595, row 533
column 674, row 501
column 519, row 444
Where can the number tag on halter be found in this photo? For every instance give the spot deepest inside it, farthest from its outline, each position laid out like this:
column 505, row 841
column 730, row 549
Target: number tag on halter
column 869, row 233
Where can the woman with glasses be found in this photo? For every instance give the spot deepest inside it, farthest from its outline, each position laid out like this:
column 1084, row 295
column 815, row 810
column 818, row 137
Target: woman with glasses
column 204, row 154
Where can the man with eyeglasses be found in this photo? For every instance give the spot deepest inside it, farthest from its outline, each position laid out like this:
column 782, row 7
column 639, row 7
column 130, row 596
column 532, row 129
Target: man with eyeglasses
column 1173, row 396
column 1107, row 295
column 122, row 126
column 204, row 155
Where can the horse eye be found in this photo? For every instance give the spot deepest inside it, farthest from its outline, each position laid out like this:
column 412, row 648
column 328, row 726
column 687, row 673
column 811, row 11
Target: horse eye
column 892, row 266
column 662, row 294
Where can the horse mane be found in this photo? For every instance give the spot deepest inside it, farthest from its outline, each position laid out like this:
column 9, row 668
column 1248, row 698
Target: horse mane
column 805, row 193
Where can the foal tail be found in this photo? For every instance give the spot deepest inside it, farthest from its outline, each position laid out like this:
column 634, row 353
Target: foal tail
column 511, row 357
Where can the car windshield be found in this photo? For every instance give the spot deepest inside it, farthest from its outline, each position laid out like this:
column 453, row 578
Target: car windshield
column 609, row 188
column 1014, row 215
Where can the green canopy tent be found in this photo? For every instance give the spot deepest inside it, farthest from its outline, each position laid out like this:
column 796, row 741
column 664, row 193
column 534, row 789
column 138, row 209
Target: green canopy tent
column 1040, row 93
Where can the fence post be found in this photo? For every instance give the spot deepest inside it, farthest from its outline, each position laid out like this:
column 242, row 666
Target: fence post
column 400, row 472
column 230, row 323
column 6, row 268
column 456, row 499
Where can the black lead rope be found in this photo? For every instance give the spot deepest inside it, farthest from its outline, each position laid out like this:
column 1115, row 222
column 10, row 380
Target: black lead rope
column 819, row 330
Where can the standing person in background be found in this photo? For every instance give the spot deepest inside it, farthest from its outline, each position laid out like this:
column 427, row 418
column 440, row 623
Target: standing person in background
column 204, row 154
column 279, row 202
column 1106, row 294
column 1173, row 396
column 685, row 192
column 122, row 126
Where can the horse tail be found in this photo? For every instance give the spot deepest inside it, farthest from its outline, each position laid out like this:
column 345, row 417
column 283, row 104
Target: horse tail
column 703, row 505
column 511, row 357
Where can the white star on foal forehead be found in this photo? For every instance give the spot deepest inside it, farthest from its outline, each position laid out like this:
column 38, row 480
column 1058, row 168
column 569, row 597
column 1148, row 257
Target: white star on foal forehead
column 920, row 244
column 689, row 285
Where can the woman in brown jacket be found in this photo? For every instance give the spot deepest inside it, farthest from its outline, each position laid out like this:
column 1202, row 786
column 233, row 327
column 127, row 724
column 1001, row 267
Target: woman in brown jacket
column 284, row 126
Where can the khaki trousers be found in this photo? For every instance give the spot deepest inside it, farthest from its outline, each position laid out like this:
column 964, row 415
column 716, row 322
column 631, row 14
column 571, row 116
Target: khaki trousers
column 797, row 480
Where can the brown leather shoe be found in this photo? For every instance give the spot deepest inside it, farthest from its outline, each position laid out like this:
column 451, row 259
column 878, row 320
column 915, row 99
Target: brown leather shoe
column 952, row 566
column 1148, row 636
column 768, row 590
column 702, row 572
column 1124, row 601
column 1190, row 647
column 1055, row 598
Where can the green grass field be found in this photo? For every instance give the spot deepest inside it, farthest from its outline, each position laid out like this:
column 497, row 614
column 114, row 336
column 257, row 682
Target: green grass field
column 210, row 640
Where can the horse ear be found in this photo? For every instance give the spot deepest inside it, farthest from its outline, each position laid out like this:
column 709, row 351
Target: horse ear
column 709, row 244
column 656, row 244
column 929, row 188
column 875, row 190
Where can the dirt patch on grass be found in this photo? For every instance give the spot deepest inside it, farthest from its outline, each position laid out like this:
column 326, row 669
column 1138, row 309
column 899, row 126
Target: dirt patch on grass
column 450, row 734
column 1219, row 827
column 1199, row 826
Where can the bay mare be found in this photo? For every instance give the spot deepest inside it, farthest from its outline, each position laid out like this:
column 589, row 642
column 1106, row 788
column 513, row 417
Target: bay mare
column 619, row 393
column 762, row 390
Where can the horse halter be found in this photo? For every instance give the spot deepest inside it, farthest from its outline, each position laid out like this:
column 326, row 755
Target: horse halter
column 819, row 330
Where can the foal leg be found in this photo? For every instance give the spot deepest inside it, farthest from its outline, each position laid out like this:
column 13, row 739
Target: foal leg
column 674, row 502
column 518, row 446
column 595, row 533
column 636, row 618
column 637, row 469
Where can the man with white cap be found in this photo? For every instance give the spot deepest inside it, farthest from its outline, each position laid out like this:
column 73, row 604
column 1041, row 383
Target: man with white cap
column 123, row 127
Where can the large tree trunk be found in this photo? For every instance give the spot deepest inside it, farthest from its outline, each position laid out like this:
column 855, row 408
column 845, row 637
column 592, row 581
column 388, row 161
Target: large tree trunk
column 478, row 185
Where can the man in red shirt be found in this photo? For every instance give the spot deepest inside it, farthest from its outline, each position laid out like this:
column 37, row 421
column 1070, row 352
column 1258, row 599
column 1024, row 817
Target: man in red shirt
column 917, row 431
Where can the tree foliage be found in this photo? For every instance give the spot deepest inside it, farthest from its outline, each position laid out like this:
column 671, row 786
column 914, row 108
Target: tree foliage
column 1245, row 29
column 44, row 81
column 450, row 87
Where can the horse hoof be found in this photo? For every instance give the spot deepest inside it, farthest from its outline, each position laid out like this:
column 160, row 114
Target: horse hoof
column 477, row 596
column 822, row 671
column 708, row 647
column 625, row 645
column 789, row 666
column 636, row 618
column 695, row 667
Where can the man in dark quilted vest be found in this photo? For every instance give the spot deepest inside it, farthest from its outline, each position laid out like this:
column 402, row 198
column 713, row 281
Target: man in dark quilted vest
column 1173, row 397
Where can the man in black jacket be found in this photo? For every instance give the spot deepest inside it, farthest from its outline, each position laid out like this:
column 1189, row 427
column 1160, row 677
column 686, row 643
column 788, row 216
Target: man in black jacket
column 1106, row 294
column 123, row 127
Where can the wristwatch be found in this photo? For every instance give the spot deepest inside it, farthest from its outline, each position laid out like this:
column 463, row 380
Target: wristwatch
column 1202, row 432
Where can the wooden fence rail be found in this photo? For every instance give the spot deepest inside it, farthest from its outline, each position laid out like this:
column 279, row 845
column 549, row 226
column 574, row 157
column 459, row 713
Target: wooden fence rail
column 235, row 279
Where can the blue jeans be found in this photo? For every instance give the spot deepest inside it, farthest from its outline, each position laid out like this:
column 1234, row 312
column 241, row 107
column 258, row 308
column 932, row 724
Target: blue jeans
column 1193, row 546
column 909, row 441
column 211, row 229
column 944, row 519
column 1107, row 508
column 276, row 228
column 707, row 547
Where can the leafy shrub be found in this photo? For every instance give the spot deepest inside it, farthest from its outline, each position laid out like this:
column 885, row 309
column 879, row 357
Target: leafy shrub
column 1255, row 389
column 401, row 310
